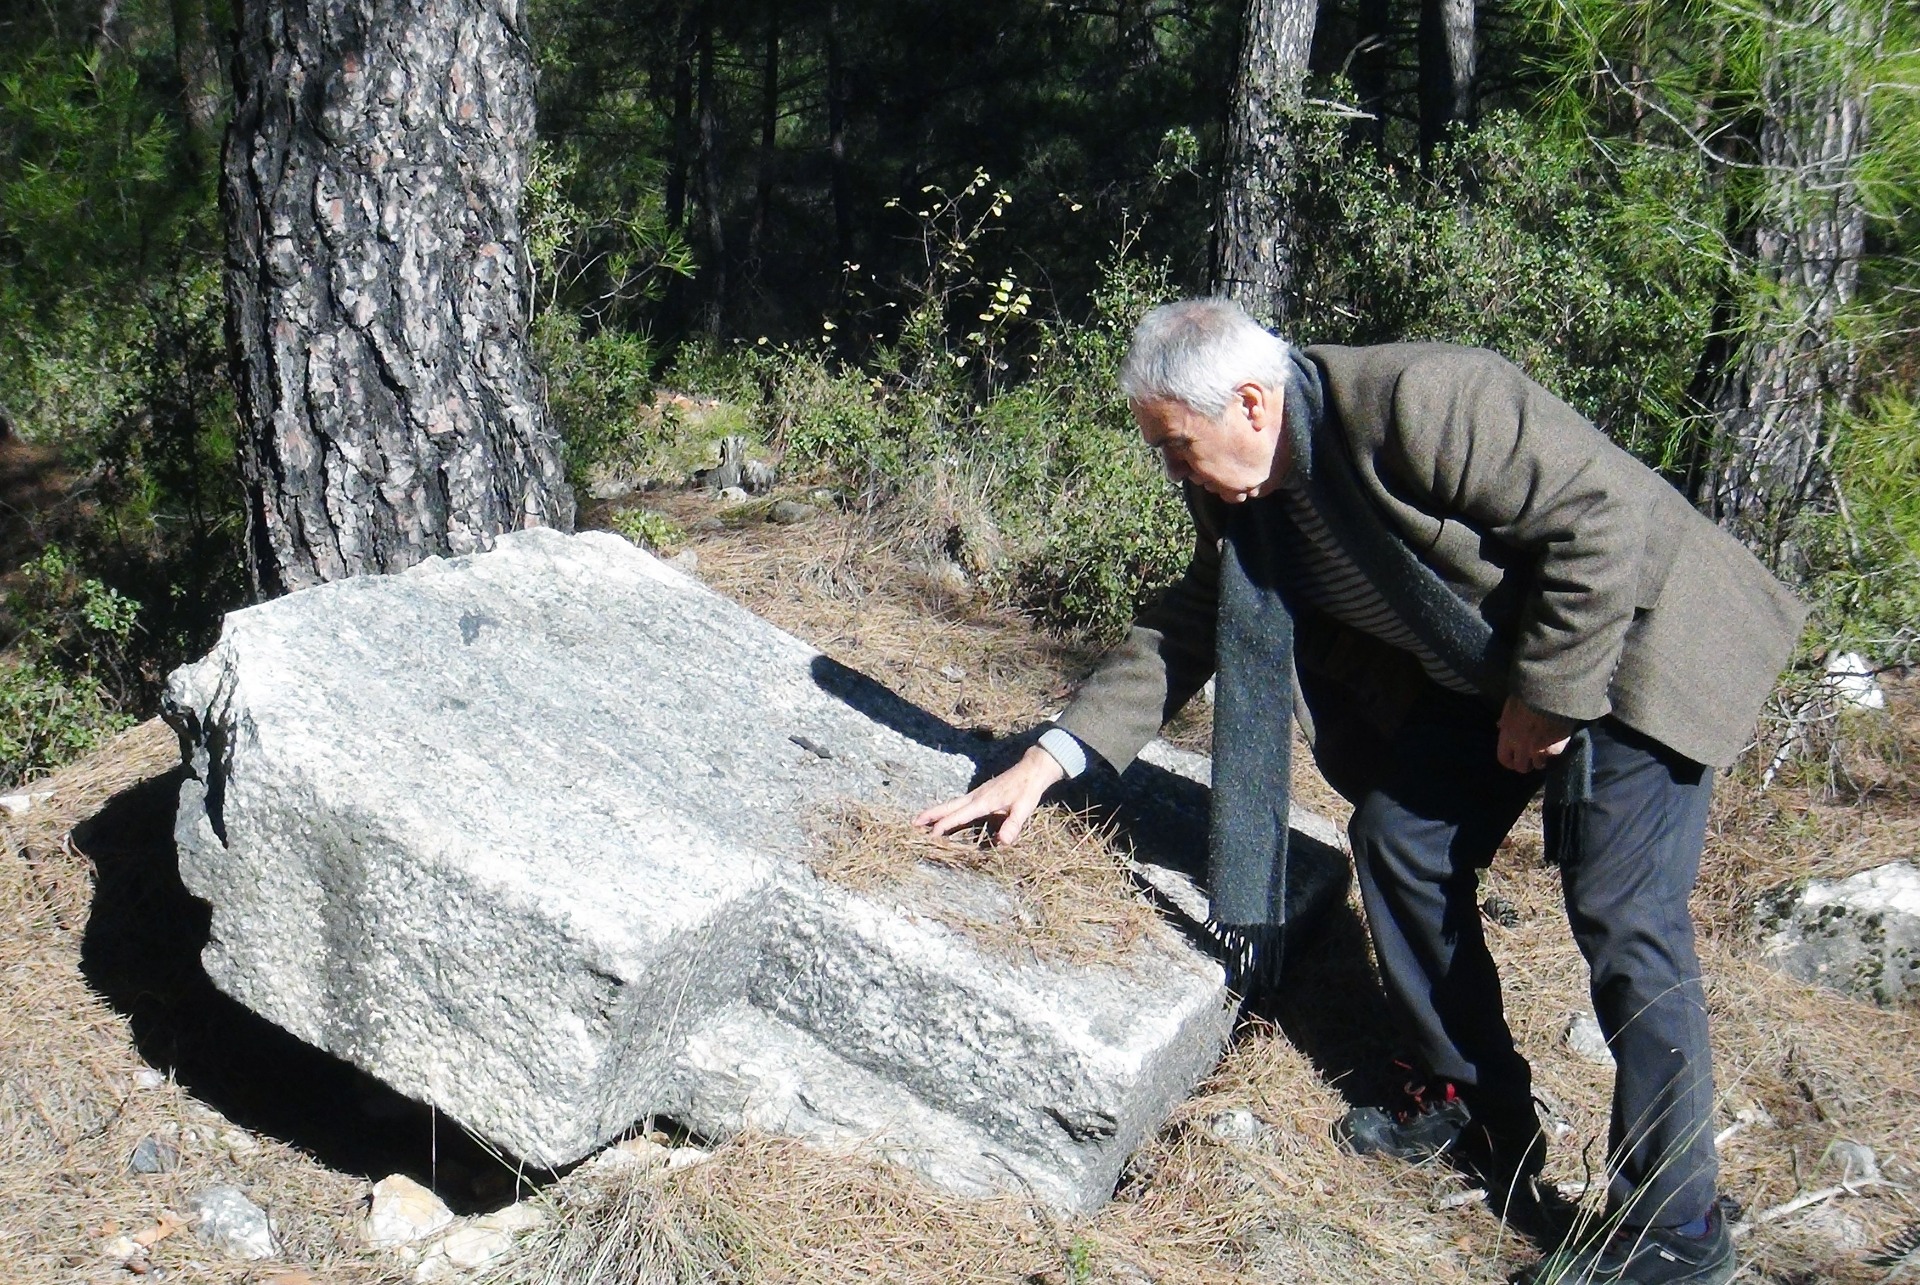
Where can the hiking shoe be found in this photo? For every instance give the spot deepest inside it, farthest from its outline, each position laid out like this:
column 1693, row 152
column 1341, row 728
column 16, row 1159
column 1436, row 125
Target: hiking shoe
column 1642, row 1256
column 1503, row 1149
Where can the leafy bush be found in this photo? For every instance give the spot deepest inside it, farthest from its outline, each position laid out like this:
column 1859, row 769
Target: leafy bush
column 73, row 672
column 1867, row 552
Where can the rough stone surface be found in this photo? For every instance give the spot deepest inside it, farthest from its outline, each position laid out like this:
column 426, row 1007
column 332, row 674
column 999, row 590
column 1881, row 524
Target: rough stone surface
column 1860, row 935
column 225, row 1219
column 401, row 1211
column 524, row 835
column 153, row 1156
column 1586, row 1041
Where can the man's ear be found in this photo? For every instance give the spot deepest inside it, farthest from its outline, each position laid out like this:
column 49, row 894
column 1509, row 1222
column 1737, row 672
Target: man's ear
column 1263, row 408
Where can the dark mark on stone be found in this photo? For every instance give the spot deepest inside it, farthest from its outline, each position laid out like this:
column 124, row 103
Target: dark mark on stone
column 811, row 746
column 471, row 624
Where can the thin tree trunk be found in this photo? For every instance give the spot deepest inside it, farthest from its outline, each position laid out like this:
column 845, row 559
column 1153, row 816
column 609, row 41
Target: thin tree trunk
column 198, row 63
column 769, row 127
column 1253, row 257
column 713, row 272
column 675, row 197
column 1793, row 367
column 837, row 137
column 376, row 288
column 1368, row 65
column 1446, row 69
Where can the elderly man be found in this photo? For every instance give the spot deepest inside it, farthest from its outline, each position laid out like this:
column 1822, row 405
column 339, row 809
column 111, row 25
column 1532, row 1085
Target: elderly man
column 1470, row 593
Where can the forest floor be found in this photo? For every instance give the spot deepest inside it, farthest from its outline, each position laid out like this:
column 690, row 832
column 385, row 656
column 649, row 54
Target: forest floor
column 110, row 1035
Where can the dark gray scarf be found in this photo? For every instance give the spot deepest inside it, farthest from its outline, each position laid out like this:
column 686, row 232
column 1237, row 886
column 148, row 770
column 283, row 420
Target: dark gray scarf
column 1253, row 708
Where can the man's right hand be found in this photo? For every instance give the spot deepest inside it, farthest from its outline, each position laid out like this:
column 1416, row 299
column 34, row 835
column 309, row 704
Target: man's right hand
column 1013, row 795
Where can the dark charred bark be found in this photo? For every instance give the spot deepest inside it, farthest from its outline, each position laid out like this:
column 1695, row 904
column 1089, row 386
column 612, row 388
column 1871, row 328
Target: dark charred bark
column 1368, row 66
column 769, row 130
column 675, row 196
column 837, row 136
column 376, row 286
column 197, row 61
column 1446, row 69
column 713, row 241
column 1253, row 255
column 1792, row 366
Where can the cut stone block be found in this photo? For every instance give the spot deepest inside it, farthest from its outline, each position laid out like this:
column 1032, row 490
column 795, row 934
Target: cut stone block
column 523, row 834
column 1860, row 935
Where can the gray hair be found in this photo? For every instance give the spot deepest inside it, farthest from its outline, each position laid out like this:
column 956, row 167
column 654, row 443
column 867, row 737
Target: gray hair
column 1197, row 351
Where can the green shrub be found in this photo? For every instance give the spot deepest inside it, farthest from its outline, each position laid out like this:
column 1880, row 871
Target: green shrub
column 1866, row 554
column 649, row 530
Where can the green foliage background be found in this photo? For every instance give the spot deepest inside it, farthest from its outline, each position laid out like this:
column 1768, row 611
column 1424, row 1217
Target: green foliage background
column 910, row 261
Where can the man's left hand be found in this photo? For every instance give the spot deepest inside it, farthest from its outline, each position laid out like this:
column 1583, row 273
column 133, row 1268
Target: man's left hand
column 1530, row 740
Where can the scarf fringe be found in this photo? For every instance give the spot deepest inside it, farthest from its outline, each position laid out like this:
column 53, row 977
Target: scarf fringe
column 1254, row 956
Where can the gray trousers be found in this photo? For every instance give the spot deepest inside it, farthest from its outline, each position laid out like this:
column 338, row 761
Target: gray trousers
column 1437, row 812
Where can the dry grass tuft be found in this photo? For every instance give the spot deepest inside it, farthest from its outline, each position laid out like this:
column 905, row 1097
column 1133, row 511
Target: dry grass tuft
column 1063, row 893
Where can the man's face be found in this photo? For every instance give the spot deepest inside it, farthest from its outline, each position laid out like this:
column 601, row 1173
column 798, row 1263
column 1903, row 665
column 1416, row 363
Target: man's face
column 1239, row 456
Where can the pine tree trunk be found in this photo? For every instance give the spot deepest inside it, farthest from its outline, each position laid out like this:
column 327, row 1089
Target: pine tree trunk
column 197, row 61
column 713, row 240
column 1253, row 257
column 376, row 286
column 769, row 131
column 1793, row 367
column 1446, row 69
column 837, row 137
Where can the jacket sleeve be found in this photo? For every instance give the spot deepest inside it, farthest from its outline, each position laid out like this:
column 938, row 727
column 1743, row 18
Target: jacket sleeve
column 1485, row 443
column 1166, row 657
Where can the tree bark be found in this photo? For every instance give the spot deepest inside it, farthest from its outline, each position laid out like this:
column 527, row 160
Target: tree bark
column 1368, row 65
column 713, row 269
column 1446, row 69
column 1792, row 366
column 837, row 136
column 769, row 130
column 1253, row 257
column 683, row 60
column 376, row 286
column 197, row 61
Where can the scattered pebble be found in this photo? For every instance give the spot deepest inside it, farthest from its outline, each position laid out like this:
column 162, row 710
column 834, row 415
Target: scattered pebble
column 952, row 673
column 148, row 1078
column 1855, row 1160
column 1501, row 911
column 474, row 1243
column 122, row 1248
column 19, row 804
column 401, row 1211
column 791, row 512
column 1585, row 1040
column 1850, row 677
column 1835, row 1226
column 824, row 496
column 230, row 1222
column 153, row 1156
column 733, row 495
column 239, row 1141
column 634, row 1153
column 1238, row 1127
column 611, row 488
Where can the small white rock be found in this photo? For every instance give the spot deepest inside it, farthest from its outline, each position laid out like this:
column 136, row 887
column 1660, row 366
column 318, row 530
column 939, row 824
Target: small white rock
column 734, row 495
column 401, row 1211
column 952, row 673
column 1585, row 1040
column 1850, row 678
column 1855, row 1160
column 238, row 1141
column 681, row 1157
column 1239, row 1127
column 18, row 804
column 122, row 1248
column 686, row 561
column 148, row 1078
column 634, row 1153
column 226, row 1219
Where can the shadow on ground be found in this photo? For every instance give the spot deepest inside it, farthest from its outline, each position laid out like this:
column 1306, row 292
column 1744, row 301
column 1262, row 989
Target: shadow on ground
column 141, row 952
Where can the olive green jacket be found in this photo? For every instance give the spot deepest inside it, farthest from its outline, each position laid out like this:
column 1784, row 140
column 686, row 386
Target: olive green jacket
column 1612, row 594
